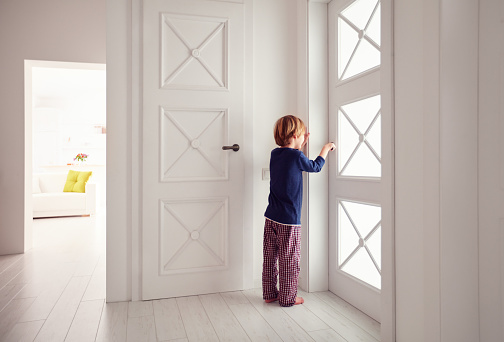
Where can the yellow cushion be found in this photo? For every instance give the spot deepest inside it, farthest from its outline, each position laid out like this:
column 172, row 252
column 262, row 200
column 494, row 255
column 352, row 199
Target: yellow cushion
column 76, row 181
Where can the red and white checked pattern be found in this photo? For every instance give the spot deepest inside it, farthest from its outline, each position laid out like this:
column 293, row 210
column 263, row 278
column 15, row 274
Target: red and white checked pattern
column 282, row 243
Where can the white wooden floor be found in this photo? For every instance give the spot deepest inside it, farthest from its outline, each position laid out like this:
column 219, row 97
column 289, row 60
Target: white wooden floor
column 56, row 292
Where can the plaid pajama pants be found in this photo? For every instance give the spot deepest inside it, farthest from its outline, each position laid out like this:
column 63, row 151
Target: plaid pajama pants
column 282, row 243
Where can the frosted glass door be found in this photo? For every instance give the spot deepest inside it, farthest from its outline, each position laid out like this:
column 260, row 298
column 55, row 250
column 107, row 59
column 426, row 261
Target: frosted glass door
column 355, row 175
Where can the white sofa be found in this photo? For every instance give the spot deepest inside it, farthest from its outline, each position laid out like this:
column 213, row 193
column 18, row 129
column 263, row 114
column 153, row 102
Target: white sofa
column 49, row 200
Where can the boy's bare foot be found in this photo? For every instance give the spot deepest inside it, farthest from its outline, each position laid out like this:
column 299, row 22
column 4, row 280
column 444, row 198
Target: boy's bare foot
column 271, row 300
column 299, row 300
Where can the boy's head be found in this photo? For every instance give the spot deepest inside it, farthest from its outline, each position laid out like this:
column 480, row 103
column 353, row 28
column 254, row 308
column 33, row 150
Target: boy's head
column 286, row 127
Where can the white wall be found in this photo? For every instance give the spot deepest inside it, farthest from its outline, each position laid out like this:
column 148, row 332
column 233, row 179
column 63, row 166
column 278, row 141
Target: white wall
column 443, row 240
column 317, row 265
column 491, row 170
column 409, row 168
column 275, row 95
column 459, row 171
column 57, row 30
column 120, row 153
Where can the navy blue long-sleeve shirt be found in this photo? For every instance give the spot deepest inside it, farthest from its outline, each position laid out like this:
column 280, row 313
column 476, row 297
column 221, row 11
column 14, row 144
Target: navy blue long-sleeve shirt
column 286, row 184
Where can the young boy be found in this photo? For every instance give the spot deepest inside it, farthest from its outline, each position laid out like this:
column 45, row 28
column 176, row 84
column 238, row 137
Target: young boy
column 282, row 229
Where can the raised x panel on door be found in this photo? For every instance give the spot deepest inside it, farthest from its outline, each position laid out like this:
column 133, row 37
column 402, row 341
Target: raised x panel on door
column 191, row 142
column 194, row 53
column 193, row 243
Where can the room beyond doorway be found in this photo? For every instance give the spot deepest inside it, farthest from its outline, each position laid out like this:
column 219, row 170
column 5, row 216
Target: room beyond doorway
column 65, row 118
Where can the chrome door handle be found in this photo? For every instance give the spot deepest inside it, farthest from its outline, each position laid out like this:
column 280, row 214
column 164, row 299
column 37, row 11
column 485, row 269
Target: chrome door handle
column 235, row 147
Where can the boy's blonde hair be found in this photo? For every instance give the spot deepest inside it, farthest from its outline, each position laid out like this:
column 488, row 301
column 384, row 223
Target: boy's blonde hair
column 286, row 127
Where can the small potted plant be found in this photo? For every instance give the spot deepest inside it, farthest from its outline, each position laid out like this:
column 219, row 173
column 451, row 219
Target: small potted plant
column 81, row 158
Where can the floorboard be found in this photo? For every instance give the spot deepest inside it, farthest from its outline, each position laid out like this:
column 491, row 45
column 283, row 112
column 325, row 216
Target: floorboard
column 8, row 293
column 256, row 327
column 340, row 323
column 225, row 324
column 141, row 329
column 7, row 261
column 10, row 315
column 196, row 322
column 113, row 323
column 169, row 325
column 85, row 324
column 233, row 298
column 44, row 303
column 96, row 288
column 24, row 332
column 327, row 335
column 357, row 316
column 305, row 318
column 58, row 322
column 139, row 309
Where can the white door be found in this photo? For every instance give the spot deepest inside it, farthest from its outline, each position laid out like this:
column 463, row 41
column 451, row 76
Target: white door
column 355, row 175
column 193, row 76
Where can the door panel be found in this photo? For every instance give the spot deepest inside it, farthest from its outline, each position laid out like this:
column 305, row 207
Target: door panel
column 191, row 141
column 194, row 52
column 185, row 249
column 192, row 189
column 355, row 176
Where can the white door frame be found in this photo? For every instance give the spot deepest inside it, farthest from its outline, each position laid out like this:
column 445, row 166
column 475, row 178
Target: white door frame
column 306, row 72
column 136, row 154
column 388, row 321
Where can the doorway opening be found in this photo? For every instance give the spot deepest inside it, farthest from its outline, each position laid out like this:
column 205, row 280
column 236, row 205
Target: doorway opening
column 65, row 134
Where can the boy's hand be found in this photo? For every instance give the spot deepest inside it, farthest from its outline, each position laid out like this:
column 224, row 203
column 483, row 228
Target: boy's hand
column 325, row 150
column 330, row 146
column 306, row 136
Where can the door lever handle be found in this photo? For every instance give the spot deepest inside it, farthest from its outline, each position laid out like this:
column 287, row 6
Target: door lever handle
column 235, row 147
